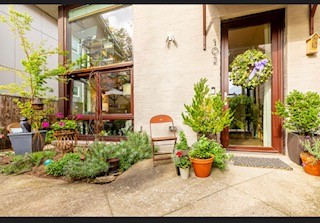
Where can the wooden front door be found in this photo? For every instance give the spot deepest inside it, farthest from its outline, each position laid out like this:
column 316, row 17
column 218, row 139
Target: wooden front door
column 255, row 127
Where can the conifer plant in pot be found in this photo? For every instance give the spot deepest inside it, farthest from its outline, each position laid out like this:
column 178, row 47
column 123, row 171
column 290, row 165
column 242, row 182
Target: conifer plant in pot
column 206, row 114
column 300, row 113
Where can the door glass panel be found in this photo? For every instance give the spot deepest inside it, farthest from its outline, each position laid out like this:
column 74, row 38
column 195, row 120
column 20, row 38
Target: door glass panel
column 252, row 107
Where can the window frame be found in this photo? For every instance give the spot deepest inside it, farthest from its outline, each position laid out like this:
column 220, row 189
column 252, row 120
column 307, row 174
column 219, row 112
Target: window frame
column 66, row 89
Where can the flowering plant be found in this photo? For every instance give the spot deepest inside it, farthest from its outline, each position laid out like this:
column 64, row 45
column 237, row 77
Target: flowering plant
column 64, row 123
column 181, row 161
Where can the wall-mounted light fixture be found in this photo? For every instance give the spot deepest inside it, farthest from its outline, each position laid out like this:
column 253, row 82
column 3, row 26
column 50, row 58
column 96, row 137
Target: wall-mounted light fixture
column 213, row 91
column 170, row 38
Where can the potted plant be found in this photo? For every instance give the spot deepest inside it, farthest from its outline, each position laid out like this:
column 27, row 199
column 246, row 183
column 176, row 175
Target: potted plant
column 206, row 115
column 184, row 164
column 182, row 145
column 311, row 158
column 300, row 113
column 201, row 156
column 34, row 79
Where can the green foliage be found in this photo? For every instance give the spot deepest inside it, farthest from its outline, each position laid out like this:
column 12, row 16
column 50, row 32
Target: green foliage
column 201, row 149
column 56, row 168
column 183, row 162
column 91, row 167
column 64, row 124
column 300, row 112
column 49, row 137
column 36, row 72
column 183, row 144
column 38, row 157
column 205, row 148
column 242, row 66
column 206, row 114
column 312, row 146
column 19, row 164
column 244, row 110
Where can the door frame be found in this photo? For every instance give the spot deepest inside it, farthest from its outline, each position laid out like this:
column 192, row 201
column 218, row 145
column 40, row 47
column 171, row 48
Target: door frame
column 276, row 18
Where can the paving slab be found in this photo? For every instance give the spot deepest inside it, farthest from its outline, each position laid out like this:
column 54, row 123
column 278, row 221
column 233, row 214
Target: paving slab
column 293, row 192
column 70, row 199
column 3, row 178
column 228, row 202
column 163, row 196
column 13, row 184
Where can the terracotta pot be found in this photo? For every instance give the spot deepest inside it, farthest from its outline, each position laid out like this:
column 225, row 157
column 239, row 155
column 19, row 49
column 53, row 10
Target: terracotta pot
column 310, row 164
column 114, row 164
column 184, row 173
column 202, row 167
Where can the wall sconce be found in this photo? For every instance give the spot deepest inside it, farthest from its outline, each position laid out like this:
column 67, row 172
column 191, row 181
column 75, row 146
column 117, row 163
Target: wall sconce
column 213, row 91
column 170, row 38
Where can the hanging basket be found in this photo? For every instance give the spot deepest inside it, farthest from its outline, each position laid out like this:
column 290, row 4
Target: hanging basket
column 250, row 69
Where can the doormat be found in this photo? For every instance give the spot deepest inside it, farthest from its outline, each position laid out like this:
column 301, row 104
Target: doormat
column 274, row 163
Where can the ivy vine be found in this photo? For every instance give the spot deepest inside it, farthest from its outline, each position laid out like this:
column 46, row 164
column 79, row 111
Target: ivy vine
column 250, row 69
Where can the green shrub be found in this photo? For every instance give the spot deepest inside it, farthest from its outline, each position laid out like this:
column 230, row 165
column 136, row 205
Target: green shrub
column 183, row 144
column 300, row 112
column 49, row 137
column 206, row 114
column 56, row 168
column 205, row 148
column 19, row 164
column 38, row 157
column 312, row 146
column 90, row 168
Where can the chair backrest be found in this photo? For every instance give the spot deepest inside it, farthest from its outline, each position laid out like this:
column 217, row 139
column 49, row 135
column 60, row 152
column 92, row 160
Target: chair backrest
column 13, row 125
column 158, row 119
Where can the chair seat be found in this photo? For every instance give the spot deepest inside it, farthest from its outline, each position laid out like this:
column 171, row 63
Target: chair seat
column 158, row 139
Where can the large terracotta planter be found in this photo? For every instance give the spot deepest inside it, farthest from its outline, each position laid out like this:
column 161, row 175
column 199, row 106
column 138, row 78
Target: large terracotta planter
column 310, row 164
column 202, row 167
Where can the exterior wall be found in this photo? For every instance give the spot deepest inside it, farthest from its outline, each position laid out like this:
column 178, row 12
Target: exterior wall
column 164, row 76
column 303, row 72
column 44, row 27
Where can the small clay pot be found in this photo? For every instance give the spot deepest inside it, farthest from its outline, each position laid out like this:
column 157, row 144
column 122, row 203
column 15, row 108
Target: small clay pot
column 310, row 164
column 202, row 167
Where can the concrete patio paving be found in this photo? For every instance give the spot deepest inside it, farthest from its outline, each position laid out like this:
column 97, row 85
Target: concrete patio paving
column 147, row 191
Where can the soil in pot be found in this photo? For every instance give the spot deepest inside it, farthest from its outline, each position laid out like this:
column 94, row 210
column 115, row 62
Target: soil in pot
column 202, row 167
column 310, row 164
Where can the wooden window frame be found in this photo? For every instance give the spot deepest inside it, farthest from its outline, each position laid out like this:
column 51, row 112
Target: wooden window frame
column 66, row 90
column 277, row 20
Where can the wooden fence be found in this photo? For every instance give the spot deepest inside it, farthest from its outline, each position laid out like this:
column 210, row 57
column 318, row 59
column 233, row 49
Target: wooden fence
column 10, row 112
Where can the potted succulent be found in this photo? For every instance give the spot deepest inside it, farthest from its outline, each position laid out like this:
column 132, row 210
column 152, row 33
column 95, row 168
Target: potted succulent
column 206, row 115
column 183, row 163
column 300, row 113
column 34, row 79
column 311, row 158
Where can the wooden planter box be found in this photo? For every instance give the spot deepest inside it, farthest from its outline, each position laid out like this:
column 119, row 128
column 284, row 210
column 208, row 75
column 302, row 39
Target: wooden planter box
column 66, row 139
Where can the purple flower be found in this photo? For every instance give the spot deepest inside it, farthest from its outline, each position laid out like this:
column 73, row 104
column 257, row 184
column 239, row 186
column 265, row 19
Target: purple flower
column 45, row 125
column 59, row 115
column 78, row 116
column 62, row 124
column 307, row 137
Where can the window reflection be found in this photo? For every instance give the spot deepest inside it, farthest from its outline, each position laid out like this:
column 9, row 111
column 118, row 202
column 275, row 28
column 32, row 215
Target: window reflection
column 116, row 92
column 100, row 38
column 84, row 97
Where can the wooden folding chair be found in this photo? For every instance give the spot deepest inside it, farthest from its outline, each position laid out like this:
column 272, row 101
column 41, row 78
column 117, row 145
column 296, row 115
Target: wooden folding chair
column 169, row 136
